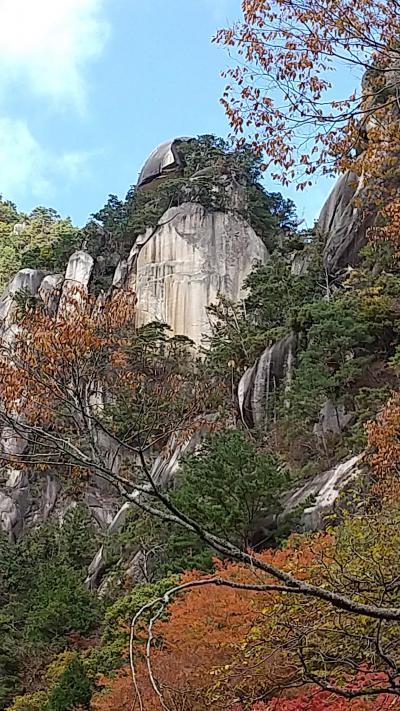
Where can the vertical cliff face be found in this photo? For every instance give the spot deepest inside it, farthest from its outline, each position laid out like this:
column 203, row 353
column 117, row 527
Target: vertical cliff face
column 343, row 223
column 357, row 197
column 180, row 267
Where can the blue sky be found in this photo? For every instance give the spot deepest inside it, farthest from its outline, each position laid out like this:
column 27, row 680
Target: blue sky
column 89, row 87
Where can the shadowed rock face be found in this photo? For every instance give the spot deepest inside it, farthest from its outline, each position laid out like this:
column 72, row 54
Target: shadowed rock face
column 162, row 162
column 333, row 418
column 258, row 387
column 163, row 473
column 343, row 224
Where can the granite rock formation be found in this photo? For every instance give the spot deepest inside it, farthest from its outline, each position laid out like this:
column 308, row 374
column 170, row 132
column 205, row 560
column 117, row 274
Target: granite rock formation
column 258, row 387
column 343, row 224
column 176, row 269
column 180, row 267
column 162, row 163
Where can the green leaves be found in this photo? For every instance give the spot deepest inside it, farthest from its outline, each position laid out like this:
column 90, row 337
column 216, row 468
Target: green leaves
column 340, row 338
column 275, row 298
column 40, row 240
column 229, row 485
column 72, row 690
column 42, row 594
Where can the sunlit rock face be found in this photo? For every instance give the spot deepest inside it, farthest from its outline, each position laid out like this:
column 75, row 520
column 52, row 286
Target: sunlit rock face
column 76, row 282
column 180, row 267
column 323, row 491
column 50, row 291
column 26, row 281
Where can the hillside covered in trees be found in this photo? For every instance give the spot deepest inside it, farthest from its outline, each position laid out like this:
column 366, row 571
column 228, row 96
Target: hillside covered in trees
column 215, row 525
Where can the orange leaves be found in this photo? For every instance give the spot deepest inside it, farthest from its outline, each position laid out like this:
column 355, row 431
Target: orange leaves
column 389, row 231
column 50, row 354
column 288, row 51
column 205, row 654
column 222, row 648
column 384, row 439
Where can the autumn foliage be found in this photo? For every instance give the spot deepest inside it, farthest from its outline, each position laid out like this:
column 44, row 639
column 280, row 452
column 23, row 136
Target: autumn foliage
column 280, row 87
column 222, row 648
column 87, row 372
column 313, row 699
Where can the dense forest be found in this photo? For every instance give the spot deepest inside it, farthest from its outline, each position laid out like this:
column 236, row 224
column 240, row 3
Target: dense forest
column 214, row 593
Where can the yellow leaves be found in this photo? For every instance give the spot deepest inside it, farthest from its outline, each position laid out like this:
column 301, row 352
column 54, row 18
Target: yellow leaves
column 286, row 50
column 51, row 356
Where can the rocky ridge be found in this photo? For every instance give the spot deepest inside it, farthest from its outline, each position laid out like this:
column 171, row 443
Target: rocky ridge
column 176, row 270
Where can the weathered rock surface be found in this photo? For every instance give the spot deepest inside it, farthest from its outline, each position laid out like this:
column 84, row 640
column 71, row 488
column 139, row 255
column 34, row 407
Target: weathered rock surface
column 76, row 282
column 300, row 262
column 324, row 491
column 333, row 419
column 258, row 386
column 178, row 269
column 50, row 291
column 28, row 501
column 163, row 474
column 162, row 162
column 26, row 281
column 15, row 500
column 343, row 224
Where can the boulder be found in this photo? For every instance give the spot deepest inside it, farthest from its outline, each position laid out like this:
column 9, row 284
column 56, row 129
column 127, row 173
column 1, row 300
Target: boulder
column 163, row 162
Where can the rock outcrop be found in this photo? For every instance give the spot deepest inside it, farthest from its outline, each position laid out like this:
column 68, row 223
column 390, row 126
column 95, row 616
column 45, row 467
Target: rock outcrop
column 76, row 281
column 176, row 270
column 24, row 502
column 163, row 474
column 162, row 163
column 343, row 224
column 322, row 493
column 333, row 419
column 26, row 282
column 258, row 386
column 180, row 267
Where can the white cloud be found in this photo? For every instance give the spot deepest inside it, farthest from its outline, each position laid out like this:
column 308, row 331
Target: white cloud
column 26, row 167
column 47, row 43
